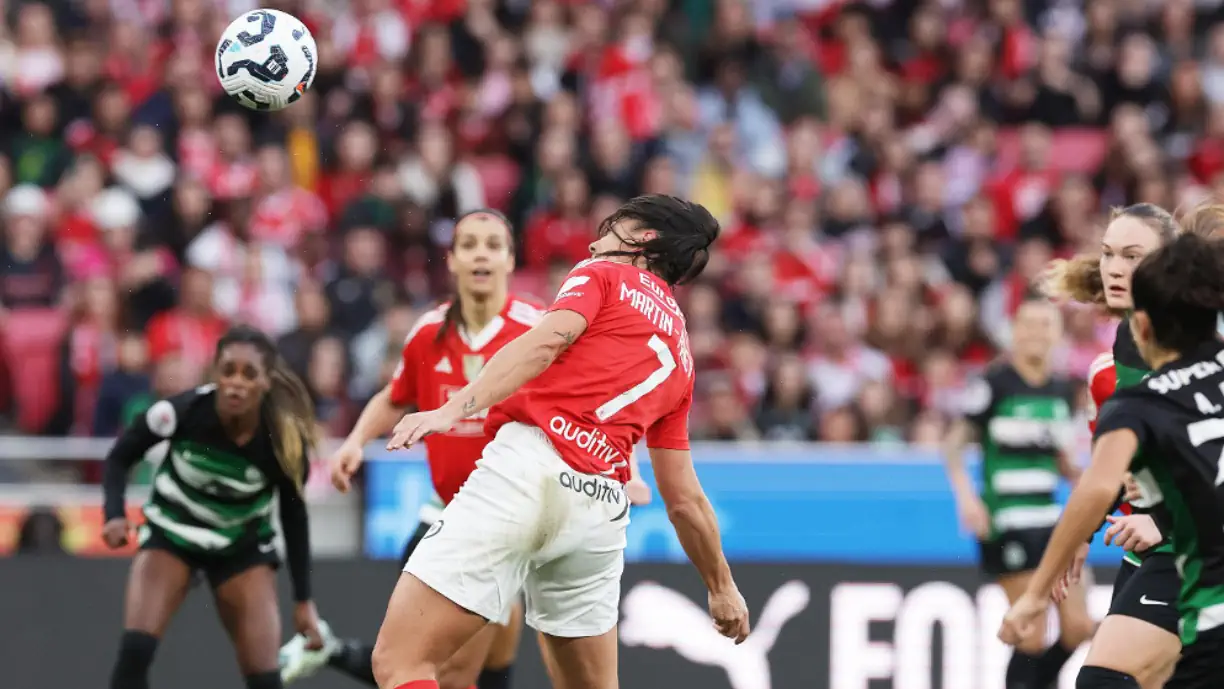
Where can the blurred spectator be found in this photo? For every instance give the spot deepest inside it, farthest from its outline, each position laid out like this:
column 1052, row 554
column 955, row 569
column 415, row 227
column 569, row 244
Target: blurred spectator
column 42, row 533
column 891, row 179
column 33, row 275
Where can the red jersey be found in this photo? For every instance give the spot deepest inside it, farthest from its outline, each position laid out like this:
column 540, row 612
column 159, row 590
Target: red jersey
column 431, row 371
column 1102, row 381
column 629, row 374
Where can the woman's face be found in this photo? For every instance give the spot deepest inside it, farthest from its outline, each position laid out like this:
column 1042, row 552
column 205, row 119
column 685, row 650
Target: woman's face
column 482, row 258
column 1127, row 240
column 1036, row 329
column 242, row 379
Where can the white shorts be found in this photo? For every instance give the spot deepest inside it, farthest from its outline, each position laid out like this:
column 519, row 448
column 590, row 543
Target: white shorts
column 525, row 520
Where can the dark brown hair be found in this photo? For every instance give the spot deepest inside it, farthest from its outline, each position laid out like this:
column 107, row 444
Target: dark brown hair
column 287, row 408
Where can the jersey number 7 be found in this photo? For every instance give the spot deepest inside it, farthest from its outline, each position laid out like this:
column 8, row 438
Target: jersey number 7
column 1206, row 431
column 667, row 364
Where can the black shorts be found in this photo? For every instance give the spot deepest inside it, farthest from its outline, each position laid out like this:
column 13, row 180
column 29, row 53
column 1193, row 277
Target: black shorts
column 216, row 569
column 1012, row 552
column 1201, row 665
column 1149, row 592
column 422, row 530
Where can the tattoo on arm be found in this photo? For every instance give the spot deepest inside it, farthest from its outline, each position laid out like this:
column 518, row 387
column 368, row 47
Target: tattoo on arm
column 567, row 336
column 469, row 407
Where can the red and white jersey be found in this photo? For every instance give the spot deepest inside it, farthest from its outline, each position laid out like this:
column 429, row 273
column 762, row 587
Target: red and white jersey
column 630, row 374
column 1102, row 381
column 432, row 370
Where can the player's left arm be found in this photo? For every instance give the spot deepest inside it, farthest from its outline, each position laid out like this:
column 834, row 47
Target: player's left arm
column 518, row 362
column 1120, row 431
column 295, row 527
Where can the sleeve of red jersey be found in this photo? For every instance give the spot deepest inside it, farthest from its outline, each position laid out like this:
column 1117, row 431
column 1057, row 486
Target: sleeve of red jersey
column 1102, row 381
column 403, row 381
column 671, row 432
column 582, row 292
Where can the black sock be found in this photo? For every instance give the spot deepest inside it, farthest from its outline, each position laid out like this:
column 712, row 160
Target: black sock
column 1050, row 663
column 1100, row 678
column 1021, row 671
column 264, row 680
column 355, row 660
column 494, row 678
column 136, row 651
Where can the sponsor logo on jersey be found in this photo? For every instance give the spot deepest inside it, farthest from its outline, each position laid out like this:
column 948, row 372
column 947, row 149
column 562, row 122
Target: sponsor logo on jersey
column 658, row 617
column 568, row 287
column 162, row 419
column 599, row 489
column 590, row 440
column 1180, row 378
column 472, row 364
column 444, row 366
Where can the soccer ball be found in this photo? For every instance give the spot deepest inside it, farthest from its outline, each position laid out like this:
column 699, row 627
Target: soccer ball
column 266, row 59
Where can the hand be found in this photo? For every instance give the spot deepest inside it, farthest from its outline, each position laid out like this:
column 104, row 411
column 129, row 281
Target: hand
column 1132, row 488
column 115, row 532
column 344, row 464
column 1019, row 621
column 1073, row 575
column 1135, row 532
column 638, row 492
column 730, row 614
column 306, row 622
column 973, row 516
column 413, row 427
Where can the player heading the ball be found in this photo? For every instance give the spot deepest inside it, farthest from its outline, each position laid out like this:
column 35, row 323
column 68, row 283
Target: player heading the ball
column 545, row 510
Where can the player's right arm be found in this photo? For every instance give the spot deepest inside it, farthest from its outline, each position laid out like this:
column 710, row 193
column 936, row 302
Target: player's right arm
column 159, row 423
column 520, row 361
column 386, row 407
column 977, row 401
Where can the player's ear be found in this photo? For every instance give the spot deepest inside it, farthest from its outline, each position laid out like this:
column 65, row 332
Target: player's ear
column 450, row 262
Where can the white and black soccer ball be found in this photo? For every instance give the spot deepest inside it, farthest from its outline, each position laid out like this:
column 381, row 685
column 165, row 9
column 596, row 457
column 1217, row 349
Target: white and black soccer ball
column 266, row 59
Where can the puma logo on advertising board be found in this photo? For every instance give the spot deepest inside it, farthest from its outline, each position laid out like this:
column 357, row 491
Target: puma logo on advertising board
column 657, row 617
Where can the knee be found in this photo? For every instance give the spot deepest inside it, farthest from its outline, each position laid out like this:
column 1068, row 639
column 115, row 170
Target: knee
column 1091, row 677
column 457, row 676
column 389, row 666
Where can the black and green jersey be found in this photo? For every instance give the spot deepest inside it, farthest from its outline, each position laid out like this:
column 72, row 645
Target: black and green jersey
column 1130, row 370
column 1176, row 413
column 209, row 495
column 1023, row 430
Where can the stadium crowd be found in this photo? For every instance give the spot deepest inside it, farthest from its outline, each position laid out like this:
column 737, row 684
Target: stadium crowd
column 891, row 177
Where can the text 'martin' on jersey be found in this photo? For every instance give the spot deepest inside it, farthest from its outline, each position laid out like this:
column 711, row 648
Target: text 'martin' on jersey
column 1178, row 416
column 630, row 374
column 431, row 371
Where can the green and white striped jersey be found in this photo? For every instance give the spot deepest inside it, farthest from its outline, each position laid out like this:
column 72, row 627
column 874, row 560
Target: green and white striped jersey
column 209, row 495
column 1022, row 429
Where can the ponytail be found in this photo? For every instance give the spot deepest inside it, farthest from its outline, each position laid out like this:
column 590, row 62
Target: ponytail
column 1076, row 279
column 287, row 410
column 452, row 320
column 290, row 413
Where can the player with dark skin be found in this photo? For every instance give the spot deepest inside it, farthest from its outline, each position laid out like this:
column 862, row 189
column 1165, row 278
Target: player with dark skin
column 260, row 405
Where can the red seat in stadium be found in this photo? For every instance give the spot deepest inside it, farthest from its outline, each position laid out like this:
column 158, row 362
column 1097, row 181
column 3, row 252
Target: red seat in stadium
column 31, row 342
column 500, row 177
